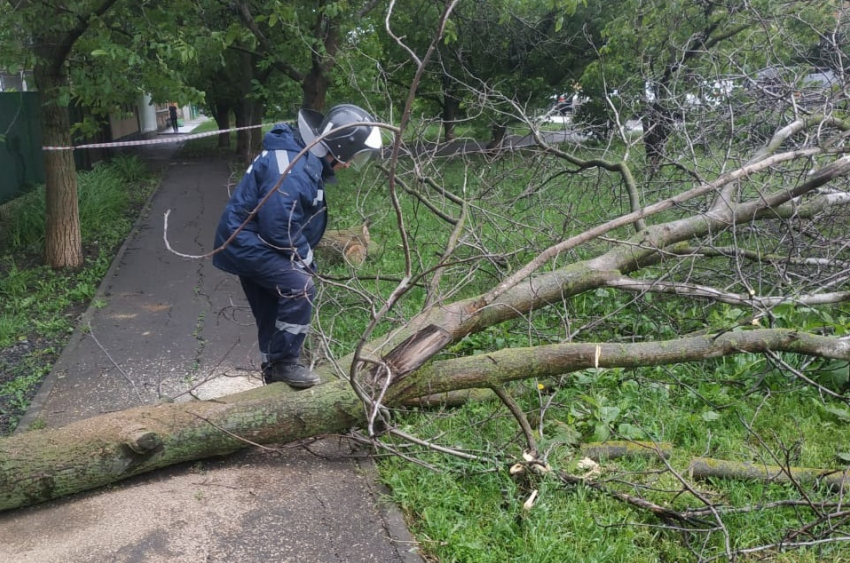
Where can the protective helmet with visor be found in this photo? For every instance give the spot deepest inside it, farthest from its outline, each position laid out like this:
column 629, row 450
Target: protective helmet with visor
column 345, row 141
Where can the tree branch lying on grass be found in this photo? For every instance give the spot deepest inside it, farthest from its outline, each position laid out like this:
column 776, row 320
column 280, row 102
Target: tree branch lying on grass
column 45, row 464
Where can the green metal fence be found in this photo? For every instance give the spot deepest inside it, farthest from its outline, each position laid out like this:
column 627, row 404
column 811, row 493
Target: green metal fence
column 21, row 164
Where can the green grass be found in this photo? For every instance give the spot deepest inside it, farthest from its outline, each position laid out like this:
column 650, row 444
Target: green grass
column 40, row 307
column 468, row 513
column 104, row 194
column 32, row 369
column 207, row 147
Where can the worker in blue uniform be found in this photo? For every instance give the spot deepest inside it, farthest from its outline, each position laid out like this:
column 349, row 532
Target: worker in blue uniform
column 272, row 250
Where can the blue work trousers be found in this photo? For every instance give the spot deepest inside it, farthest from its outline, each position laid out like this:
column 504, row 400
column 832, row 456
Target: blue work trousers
column 282, row 304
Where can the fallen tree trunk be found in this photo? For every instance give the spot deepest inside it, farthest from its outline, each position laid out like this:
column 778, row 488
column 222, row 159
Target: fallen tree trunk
column 45, row 464
column 40, row 465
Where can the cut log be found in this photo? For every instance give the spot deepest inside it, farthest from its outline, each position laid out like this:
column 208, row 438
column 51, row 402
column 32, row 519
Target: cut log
column 703, row 468
column 352, row 245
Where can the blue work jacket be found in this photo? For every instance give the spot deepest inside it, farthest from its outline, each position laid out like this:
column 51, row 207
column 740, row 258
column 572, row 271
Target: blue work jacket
column 290, row 223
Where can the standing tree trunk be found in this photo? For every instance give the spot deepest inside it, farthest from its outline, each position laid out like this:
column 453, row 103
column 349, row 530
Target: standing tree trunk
column 451, row 105
column 498, row 132
column 249, row 141
column 52, row 47
column 243, row 110
column 315, row 83
column 222, row 120
column 250, row 110
column 656, row 132
column 255, row 134
column 315, row 88
column 63, row 241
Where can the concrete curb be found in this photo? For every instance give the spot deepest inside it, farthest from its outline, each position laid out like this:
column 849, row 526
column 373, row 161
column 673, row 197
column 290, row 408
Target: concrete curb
column 394, row 524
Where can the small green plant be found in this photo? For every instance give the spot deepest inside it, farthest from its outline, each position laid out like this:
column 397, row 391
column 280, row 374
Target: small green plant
column 83, row 291
column 12, row 326
column 129, row 168
column 30, row 370
column 38, row 424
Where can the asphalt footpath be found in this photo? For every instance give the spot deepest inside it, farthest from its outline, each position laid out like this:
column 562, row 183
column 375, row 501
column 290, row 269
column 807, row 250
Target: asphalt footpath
column 167, row 327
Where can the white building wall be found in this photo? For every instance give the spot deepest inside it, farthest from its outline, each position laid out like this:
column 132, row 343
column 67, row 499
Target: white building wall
column 147, row 115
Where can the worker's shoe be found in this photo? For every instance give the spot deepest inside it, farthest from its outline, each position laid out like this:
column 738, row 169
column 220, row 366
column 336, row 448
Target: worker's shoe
column 293, row 374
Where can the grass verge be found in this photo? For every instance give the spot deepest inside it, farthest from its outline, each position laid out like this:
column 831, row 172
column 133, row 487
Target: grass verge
column 40, row 307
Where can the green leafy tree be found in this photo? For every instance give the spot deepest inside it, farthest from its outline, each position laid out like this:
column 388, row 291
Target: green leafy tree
column 49, row 34
column 492, row 55
column 661, row 60
column 97, row 53
column 273, row 51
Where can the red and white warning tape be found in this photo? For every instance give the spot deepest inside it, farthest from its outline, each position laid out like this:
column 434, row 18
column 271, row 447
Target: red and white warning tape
column 167, row 139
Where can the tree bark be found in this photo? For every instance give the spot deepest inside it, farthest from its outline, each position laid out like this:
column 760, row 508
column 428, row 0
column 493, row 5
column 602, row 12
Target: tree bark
column 41, row 465
column 615, row 449
column 451, row 107
column 63, row 240
column 514, row 364
column 315, row 88
column 222, row 120
column 244, row 110
column 498, row 131
column 704, row 468
column 316, row 81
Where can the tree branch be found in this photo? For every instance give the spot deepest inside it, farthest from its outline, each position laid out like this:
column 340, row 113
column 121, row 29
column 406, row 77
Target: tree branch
column 66, row 41
column 251, row 24
column 496, row 368
column 708, row 292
